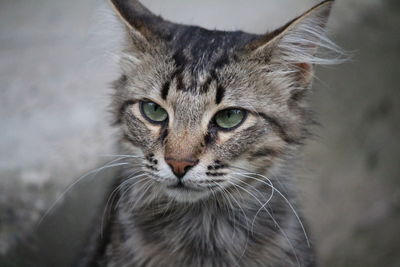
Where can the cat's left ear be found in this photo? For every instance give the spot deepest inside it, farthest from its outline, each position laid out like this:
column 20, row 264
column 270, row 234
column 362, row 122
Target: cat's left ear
column 295, row 44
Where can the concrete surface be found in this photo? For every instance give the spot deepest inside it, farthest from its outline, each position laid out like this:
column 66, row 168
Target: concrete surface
column 55, row 66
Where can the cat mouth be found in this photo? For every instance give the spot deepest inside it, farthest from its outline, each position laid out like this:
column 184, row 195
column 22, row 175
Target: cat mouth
column 182, row 187
column 185, row 192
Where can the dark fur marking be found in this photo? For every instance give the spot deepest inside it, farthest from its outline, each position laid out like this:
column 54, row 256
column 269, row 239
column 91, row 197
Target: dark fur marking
column 264, row 152
column 215, row 167
column 222, row 61
column 279, row 128
column 180, row 60
column 211, row 136
column 296, row 96
column 122, row 110
column 179, row 80
column 214, row 75
column 151, row 167
column 165, row 89
column 220, row 94
column 206, row 85
column 163, row 134
column 215, row 174
column 127, row 138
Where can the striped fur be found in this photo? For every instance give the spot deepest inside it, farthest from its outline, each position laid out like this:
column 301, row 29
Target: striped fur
column 238, row 208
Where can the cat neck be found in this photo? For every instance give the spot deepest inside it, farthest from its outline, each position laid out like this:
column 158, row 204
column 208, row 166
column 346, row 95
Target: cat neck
column 239, row 223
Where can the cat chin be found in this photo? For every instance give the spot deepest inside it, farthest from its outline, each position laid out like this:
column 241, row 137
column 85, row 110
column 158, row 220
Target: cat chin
column 183, row 195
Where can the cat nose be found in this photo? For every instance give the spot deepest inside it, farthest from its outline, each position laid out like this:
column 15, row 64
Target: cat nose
column 180, row 167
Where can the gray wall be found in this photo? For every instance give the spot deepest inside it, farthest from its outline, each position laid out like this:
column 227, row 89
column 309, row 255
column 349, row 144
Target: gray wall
column 55, row 64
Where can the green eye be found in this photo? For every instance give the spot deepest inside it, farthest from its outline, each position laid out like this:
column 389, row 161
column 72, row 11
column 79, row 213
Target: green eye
column 153, row 112
column 229, row 118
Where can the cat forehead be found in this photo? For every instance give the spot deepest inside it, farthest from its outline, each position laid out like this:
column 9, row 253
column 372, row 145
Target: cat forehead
column 198, row 77
column 199, row 58
column 197, row 48
column 190, row 93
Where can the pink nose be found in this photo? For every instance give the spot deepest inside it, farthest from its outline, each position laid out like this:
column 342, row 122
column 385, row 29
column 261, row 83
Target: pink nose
column 180, row 167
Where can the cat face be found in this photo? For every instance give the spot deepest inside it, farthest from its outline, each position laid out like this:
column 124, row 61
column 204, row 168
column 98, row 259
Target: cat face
column 205, row 107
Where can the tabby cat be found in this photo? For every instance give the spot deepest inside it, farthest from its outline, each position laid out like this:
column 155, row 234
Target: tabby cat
column 209, row 123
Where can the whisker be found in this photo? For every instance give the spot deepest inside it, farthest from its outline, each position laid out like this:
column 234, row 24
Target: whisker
column 273, row 219
column 255, row 216
column 246, row 221
column 147, row 186
column 68, row 188
column 112, row 198
column 283, row 196
column 270, row 184
column 277, row 180
column 131, row 186
column 124, row 156
column 229, row 203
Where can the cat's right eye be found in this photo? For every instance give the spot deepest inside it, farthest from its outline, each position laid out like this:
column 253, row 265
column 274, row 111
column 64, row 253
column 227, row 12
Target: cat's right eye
column 153, row 112
column 229, row 119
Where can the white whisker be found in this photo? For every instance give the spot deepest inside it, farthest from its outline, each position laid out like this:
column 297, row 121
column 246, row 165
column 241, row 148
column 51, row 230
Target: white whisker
column 273, row 219
column 286, row 200
column 68, row 188
column 119, row 187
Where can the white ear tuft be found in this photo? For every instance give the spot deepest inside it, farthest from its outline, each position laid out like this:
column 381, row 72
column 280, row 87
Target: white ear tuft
column 299, row 41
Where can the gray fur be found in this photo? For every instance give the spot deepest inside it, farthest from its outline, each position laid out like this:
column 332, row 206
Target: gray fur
column 239, row 211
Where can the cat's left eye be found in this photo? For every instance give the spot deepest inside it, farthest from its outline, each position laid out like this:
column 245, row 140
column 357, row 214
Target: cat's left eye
column 153, row 112
column 229, row 119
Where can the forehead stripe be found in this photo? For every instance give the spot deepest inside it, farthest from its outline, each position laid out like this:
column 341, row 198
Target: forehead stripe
column 204, row 88
column 180, row 85
column 220, row 94
column 165, row 90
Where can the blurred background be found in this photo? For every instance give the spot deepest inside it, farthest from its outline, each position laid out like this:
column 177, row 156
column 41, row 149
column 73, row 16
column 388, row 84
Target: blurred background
column 56, row 63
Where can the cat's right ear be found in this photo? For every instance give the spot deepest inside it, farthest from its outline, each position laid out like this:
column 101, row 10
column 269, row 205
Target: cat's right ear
column 144, row 28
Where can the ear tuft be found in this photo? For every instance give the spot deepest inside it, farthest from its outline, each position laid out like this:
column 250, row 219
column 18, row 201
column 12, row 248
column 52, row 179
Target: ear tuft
column 298, row 41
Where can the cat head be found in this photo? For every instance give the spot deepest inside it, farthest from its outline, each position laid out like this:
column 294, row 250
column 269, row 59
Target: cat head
column 203, row 107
